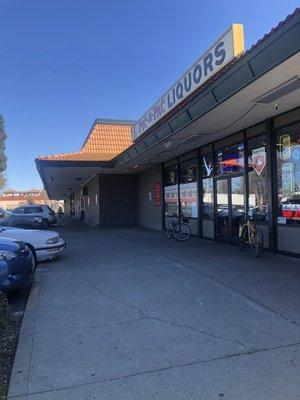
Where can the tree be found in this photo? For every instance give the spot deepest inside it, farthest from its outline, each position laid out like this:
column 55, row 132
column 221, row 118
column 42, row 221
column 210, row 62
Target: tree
column 2, row 152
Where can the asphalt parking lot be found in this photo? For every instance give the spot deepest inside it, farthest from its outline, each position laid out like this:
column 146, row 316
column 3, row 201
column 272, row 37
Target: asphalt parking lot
column 129, row 314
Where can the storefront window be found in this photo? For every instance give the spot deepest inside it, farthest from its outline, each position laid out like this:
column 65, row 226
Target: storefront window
column 171, row 191
column 288, row 175
column 230, row 159
column 188, row 188
column 208, row 199
column 257, row 178
column 207, row 165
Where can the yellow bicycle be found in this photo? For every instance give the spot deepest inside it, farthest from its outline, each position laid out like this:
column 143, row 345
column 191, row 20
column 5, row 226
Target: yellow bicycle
column 251, row 237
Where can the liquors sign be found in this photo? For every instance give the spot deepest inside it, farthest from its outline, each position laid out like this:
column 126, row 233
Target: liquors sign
column 230, row 45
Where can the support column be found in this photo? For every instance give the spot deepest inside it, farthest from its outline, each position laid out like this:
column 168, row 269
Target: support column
column 272, row 184
column 199, row 193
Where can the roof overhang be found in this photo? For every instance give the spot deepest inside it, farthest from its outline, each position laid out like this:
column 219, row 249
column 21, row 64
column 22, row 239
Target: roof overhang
column 60, row 179
column 238, row 112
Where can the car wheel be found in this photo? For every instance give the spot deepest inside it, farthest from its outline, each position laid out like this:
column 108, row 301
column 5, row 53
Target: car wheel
column 26, row 286
column 32, row 271
column 31, row 248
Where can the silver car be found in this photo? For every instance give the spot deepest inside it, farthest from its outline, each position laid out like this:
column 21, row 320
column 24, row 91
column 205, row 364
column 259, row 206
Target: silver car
column 35, row 210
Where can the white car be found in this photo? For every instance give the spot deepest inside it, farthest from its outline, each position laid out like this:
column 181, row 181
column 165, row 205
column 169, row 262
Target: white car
column 45, row 245
column 42, row 210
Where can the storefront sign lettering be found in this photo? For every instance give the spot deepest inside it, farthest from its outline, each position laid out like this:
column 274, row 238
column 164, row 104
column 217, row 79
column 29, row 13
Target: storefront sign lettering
column 230, row 45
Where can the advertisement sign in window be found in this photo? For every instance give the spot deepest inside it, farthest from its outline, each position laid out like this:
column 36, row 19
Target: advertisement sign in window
column 189, row 199
column 285, row 147
column 207, row 166
column 171, row 200
column 287, row 178
column 230, row 159
column 259, row 160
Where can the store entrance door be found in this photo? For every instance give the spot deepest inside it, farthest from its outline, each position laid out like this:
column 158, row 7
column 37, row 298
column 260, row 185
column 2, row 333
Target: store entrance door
column 82, row 208
column 230, row 195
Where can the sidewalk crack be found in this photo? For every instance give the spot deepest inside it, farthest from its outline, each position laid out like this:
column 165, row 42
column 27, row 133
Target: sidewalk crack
column 161, row 369
column 173, row 323
column 267, row 308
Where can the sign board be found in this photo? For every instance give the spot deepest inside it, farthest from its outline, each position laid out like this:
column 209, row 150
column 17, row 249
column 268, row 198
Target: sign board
column 157, row 195
column 227, row 47
column 285, row 147
column 259, row 159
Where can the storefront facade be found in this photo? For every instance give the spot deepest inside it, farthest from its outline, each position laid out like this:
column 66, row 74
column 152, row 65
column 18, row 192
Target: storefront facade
column 255, row 172
column 221, row 144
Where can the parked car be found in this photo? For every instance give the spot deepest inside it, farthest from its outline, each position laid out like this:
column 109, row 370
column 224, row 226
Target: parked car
column 25, row 221
column 43, row 211
column 45, row 245
column 17, row 265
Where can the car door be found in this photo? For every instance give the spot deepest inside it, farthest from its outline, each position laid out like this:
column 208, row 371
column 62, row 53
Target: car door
column 34, row 210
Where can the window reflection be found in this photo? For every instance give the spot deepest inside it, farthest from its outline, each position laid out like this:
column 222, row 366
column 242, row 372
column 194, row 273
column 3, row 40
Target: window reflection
column 208, row 199
column 188, row 189
column 288, row 175
column 237, row 203
column 257, row 178
column 223, row 228
column 171, row 191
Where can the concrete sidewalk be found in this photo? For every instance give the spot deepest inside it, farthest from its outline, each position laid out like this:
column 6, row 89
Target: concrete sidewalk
column 129, row 314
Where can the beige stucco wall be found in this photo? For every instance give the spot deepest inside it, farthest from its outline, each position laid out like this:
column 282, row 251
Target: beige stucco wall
column 90, row 202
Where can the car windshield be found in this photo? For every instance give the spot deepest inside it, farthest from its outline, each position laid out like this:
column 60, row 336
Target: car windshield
column 4, row 212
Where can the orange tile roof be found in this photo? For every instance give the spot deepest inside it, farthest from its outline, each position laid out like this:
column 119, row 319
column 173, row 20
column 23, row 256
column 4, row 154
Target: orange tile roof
column 104, row 142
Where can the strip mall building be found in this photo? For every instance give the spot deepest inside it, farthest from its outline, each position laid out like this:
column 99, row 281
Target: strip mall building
column 222, row 142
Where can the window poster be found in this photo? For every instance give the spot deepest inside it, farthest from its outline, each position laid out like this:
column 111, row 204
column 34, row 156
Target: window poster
column 287, row 178
column 207, row 165
column 259, row 159
column 189, row 199
column 171, row 199
column 285, row 147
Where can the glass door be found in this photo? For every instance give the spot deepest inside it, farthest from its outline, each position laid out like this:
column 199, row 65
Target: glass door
column 230, row 207
column 237, row 194
column 222, row 212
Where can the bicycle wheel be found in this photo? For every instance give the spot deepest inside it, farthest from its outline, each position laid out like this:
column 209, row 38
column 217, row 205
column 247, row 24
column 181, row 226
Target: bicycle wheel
column 243, row 239
column 169, row 230
column 257, row 245
column 182, row 232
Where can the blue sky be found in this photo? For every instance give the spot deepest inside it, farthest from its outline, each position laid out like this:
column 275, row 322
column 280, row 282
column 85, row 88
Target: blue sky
column 64, row 63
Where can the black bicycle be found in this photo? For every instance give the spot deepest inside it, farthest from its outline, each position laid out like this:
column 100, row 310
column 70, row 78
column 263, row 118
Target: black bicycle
column 178, row 228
